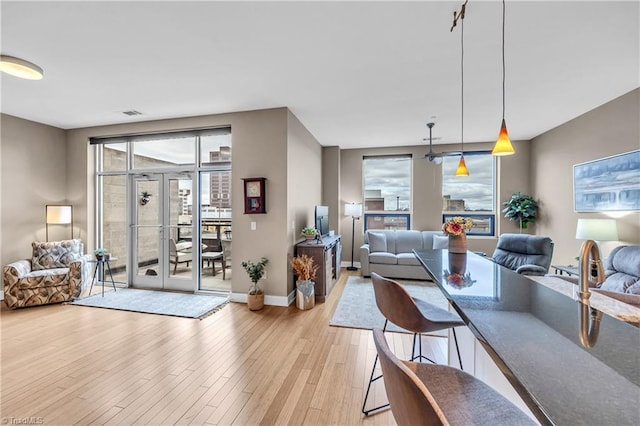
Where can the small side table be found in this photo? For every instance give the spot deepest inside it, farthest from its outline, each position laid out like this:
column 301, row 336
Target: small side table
column 566, row 269
column 101, row 263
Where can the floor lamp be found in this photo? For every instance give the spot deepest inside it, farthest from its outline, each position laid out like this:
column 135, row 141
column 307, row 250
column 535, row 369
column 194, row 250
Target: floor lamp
column 355, row 211
column 59, row 215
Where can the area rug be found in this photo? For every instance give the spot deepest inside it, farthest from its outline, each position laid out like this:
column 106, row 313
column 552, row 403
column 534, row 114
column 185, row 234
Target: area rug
column 357, row 305
column 156, row 302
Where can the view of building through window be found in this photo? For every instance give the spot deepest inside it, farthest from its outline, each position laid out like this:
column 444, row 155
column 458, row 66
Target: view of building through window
column 470, row 196
column 387, row 191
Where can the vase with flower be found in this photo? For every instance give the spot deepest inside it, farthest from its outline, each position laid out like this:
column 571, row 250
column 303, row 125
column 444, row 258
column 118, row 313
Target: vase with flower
column 456, row 228
column 305, row 270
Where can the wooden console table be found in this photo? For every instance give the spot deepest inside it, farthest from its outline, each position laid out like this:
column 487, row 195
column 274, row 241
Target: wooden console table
column 327, row 255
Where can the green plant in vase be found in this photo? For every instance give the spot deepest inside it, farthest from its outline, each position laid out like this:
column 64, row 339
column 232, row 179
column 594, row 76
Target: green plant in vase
column 255, row 298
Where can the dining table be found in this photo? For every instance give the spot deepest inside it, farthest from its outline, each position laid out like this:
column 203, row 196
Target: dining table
column 534, row 335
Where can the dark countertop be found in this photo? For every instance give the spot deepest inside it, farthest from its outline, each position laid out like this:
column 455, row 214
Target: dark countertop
column 532, row 333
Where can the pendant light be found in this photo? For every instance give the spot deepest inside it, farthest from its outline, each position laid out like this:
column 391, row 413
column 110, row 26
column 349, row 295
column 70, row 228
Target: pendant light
column 503, row 144
column 20, row 68
column 462, row 166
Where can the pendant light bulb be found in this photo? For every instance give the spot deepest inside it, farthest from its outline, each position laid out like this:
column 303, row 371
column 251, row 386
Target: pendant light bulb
column 503, row 144
column 462, row 168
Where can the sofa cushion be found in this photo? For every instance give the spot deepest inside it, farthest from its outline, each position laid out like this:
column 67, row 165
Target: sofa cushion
column 440, row 242
column 407, row 259
column 383, row 257
column 44, row 278
column 406, row 241
column 55, row 254
column 377, row 242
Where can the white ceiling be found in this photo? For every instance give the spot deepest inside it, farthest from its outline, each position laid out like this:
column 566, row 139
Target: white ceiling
column 357, row 74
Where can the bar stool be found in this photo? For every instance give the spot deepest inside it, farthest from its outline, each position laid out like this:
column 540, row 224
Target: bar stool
column 414, row 315
column 425, row 394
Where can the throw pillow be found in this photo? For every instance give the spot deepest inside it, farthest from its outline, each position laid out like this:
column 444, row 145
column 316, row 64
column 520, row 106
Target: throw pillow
column 440, row 242
column 377, row 242
column 55, row 254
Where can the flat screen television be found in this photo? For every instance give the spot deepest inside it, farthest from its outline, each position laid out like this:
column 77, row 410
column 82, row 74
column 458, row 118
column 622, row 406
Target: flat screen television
column 322, row 220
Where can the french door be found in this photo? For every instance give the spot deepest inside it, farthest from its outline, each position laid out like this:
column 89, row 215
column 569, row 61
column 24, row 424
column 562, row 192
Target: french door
column 161, row 230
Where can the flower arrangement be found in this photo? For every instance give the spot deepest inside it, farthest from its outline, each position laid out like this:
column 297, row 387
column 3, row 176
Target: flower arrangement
column 458, row 280
column 303, row 267
column 457, row 225
column 256, row 272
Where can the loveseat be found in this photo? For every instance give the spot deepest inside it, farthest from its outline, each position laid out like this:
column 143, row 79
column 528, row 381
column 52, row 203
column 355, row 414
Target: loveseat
column 390, row 253
column 57, row 272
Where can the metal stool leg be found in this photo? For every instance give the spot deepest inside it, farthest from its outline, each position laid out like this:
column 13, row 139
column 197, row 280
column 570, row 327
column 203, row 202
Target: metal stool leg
column 455, row 339
column 371, row 380
column 419, row 357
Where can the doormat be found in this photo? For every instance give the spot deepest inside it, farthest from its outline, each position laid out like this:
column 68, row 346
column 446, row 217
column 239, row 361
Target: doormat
column 156, row 302
column 357, row 306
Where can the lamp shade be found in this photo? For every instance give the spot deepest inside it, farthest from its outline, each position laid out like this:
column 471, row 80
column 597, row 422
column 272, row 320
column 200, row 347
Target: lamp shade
column 58, row 215
column 462, row 168
column 20, row 68
column 597, row 230
column 503, row 144
column 353, row 209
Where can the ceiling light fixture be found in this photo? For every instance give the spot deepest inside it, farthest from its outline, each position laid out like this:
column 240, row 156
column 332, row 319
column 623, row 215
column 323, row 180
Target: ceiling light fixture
column 20, row 68
column 462, row 166
column 503, row 144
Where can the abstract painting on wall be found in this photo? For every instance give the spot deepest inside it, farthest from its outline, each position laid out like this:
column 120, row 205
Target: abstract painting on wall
column 608, row 184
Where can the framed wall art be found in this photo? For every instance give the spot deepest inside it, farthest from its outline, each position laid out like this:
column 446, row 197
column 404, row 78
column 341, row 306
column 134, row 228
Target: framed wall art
column 254, row 195
column 608, row 184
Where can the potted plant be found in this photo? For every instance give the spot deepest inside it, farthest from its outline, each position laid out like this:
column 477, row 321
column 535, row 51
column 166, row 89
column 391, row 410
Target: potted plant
column 144, row 197
column 309, row 233
column 101, row 253
column 255, row 298
column 305, row 270
column 522, row 208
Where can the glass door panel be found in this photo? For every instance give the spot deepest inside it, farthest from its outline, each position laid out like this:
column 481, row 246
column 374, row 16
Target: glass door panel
column 178, row 225
column 147, row 232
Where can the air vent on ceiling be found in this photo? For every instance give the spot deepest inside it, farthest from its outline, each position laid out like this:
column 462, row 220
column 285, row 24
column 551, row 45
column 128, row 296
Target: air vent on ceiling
column 132, row 112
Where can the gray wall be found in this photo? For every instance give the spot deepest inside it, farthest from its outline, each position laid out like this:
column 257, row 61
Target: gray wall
column 607, row 130
column 513, row 175
column 34, row 174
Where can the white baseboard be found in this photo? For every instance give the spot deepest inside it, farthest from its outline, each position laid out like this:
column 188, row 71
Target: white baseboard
column 348, row 263
column 268, row 300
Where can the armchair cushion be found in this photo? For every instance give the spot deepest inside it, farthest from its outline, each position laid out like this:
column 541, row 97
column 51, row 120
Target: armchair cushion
column 55, row 254
column 622, row 270
column 531, row 270
column 517, row 250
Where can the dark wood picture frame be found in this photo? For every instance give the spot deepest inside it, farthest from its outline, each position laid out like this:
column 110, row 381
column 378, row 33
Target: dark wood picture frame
column 254, row 195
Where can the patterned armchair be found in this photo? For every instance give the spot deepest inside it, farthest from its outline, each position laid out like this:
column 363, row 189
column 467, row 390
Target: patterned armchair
column 57, row 272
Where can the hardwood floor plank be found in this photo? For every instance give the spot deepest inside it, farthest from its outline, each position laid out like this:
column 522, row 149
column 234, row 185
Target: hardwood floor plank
column 78, row 365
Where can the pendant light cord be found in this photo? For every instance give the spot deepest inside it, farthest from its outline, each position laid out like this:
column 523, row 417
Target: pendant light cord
column 462, row 84
column 503, row 61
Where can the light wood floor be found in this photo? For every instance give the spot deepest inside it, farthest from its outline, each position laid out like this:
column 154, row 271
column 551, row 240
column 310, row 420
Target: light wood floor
column 68, row 364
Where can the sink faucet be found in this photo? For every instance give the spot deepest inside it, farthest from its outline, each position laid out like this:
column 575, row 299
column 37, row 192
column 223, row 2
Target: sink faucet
column 589, row 261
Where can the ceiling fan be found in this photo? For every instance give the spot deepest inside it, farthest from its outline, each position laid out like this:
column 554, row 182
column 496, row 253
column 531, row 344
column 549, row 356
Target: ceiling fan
column 436, row 157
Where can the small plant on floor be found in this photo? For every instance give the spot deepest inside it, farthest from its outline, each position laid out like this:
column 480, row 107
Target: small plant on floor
column 256, row 272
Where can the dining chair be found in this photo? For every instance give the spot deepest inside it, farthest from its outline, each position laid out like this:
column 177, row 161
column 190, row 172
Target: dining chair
column 414, row 315
column 176, row 256
column 431, row 394
column 226, row 257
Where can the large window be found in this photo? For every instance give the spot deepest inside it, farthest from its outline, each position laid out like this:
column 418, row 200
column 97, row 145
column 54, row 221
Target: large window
column 470, row 196
column 387, row 192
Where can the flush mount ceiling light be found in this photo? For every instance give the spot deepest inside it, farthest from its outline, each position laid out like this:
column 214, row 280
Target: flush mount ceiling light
column 20, row 68
column 503, row 144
